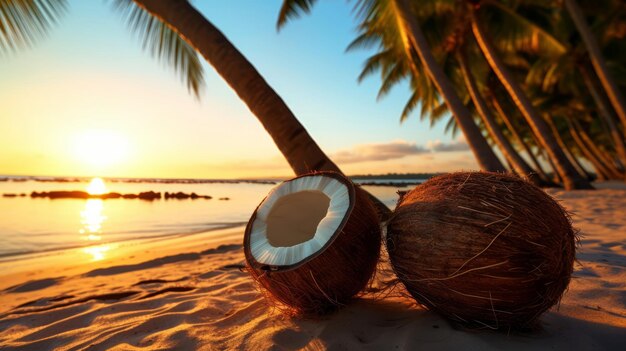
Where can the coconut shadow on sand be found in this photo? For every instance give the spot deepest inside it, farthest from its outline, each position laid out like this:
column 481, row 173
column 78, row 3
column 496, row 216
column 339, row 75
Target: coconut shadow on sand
column 384, row 325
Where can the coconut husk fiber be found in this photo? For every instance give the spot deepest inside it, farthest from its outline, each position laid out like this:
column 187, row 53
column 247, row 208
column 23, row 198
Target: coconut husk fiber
column 484, row 249
column 333, row 276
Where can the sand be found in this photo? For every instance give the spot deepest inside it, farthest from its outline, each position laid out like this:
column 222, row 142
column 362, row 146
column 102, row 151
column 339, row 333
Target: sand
column 192, row 294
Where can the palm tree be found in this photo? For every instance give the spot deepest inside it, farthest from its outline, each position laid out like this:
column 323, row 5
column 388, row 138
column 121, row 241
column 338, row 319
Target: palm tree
column 385, row 21
column 571, row 178
column 571, row 73
column 580, row 167
column 569, row 77
column 605, row 114
column 597, row 59
column 518, row 137
column 517, row 163
column 561, row 142
column 414, row 38
column 604, row 158
column 602, row 171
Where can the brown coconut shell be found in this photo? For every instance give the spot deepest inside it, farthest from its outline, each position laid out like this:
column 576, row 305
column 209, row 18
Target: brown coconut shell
column 332, row 276
column 484, row 249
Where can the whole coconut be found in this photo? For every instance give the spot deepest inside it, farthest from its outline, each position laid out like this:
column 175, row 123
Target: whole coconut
column 484, row 249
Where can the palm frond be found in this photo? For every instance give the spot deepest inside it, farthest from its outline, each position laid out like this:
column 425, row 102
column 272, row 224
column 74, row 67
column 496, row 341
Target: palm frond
column 292, row 9
column 164, row 44
column 451, row 127
column 427, row 103
column 411, row 104
column 427, row 8
column 439, row 111
column 516, row 61
column 22, row 22
column 536, row 72
column 513, row 32
column 364, row 41
column 392, row 76
column 375, row 63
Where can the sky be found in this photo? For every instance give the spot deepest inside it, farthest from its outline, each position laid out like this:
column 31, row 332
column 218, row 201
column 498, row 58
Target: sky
column 87, row 101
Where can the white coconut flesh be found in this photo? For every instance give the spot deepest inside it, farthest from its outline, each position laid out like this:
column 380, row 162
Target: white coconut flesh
column 297, row 219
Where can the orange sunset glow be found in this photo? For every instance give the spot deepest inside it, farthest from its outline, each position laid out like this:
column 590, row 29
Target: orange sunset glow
column 312, row 175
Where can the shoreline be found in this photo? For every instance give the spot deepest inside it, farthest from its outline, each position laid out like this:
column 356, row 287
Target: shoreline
column 25, row 255
column 79, row 259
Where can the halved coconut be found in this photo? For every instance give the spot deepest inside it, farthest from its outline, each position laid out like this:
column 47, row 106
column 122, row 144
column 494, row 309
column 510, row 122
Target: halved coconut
column 313, row 242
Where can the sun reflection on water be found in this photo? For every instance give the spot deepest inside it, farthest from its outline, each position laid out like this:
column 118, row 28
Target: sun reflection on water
column 92, row 218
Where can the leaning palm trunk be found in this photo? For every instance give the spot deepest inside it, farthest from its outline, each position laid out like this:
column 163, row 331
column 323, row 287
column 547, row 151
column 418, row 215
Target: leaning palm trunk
column 605, row 114
column 602, row 71
column 516, row 162
column 505, row 118
column 579, row 165
column 602, row 171
column 295, row 143
column 606, row 159
column 556, row 177
column 571, row 178
column 413, row 37
column 569, row 155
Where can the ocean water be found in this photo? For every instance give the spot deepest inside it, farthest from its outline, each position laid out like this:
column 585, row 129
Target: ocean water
column 37, row 225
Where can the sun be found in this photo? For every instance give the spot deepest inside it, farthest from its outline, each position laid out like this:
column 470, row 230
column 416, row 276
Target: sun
column 101, row 148
column 96, row 187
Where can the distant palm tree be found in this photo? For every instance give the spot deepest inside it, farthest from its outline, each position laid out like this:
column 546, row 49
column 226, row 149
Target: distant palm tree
column 571, row 178
column 572, row 73
column 517, row 162
column 597, row 59
column 561, row 142
column 602, row 170
column 605, row 113
column 605, row 159
column 517, row 136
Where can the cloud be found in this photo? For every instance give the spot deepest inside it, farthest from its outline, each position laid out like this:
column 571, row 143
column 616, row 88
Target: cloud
column 439, row 146
column 396, row 149
column 378, row 152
